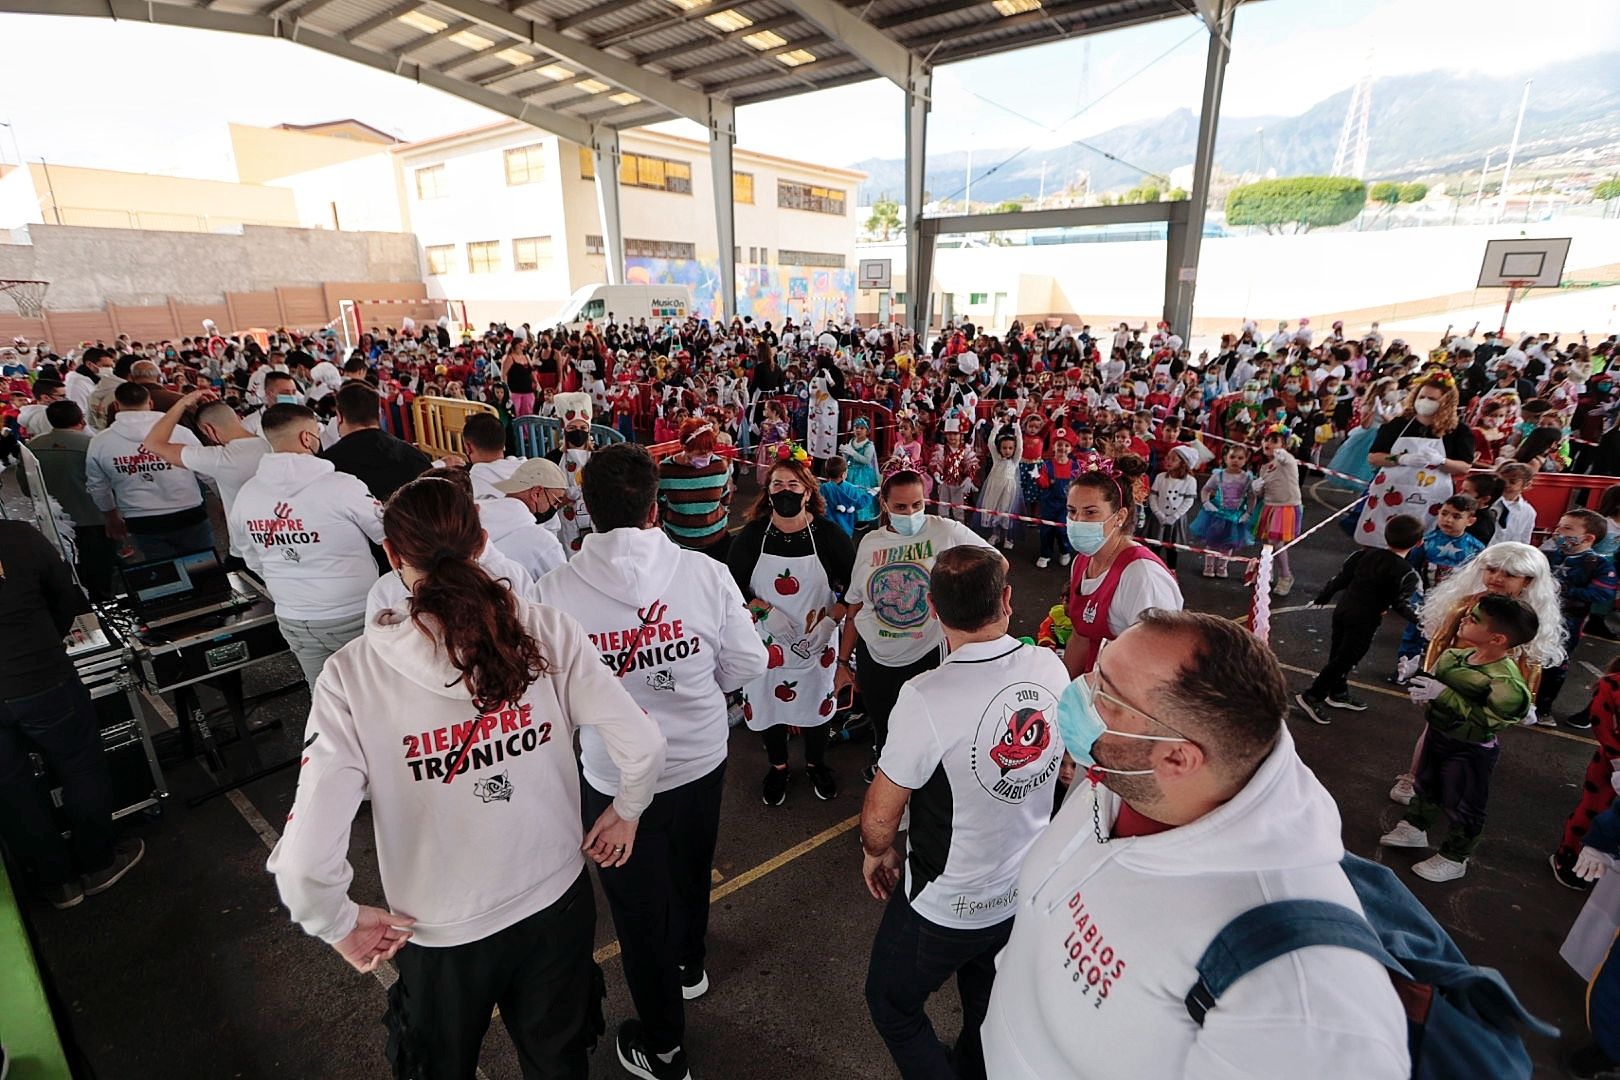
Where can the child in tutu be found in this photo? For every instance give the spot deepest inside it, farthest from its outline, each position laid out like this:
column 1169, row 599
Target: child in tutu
column 1173, row 493
column 1223, row 524
column 1282, row 510
column 1002, row 495
column 1031, row 452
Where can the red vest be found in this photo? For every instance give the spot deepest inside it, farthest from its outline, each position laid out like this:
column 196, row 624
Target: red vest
column 1089, row 613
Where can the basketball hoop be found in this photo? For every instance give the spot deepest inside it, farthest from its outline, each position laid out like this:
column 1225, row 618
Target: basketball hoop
column 29, row 296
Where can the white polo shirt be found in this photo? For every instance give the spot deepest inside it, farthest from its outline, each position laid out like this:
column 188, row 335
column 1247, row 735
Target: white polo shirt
column 976, row 741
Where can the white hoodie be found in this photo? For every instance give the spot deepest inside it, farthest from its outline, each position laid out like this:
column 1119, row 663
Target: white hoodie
column 513, row 529
column 486, row 474
column 466, row 849
column 675, row 622
column 390, row 590
column 303, row 527
column 1107, row 938
column 121, row 474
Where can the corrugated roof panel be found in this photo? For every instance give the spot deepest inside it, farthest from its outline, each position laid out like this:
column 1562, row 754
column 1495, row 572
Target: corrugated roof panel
column 339, row 16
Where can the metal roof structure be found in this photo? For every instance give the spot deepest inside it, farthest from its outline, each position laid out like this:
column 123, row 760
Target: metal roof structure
column 586, row 69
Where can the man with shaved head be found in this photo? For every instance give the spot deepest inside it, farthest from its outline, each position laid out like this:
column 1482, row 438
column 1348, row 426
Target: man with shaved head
column 1195, row 809
column 147, row 373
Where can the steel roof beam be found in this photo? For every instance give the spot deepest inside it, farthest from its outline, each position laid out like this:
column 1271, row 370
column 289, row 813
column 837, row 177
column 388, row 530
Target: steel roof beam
column 877, row 50
column 658, row 56
column 162, row 14
column 380, row 20
column 683, row 100
column 714, row 67
column 664, row 22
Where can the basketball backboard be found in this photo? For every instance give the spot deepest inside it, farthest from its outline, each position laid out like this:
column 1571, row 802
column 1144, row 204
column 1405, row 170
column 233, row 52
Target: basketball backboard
column 874, row 274
column 1524, row 263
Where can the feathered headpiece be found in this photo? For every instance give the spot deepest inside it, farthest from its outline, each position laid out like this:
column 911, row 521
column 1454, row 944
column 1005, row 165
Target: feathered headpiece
column 791, row 451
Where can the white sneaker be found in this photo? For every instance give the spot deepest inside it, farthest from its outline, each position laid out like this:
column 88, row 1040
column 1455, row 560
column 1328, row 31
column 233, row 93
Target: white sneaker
column 1439, row 868
column 1007, row 545
column 1223, row 567
column 1404, row 790
column 1282, row 586
column 1405, row 835
column 1064, row 559
column 1042, row 563
column 1209, row 566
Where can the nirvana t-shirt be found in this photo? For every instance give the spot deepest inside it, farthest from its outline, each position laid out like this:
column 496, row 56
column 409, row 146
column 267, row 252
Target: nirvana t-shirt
column 891, row 585
column 976, row 742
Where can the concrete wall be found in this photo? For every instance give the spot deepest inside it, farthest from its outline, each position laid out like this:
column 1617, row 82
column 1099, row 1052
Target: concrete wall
column 89, row 268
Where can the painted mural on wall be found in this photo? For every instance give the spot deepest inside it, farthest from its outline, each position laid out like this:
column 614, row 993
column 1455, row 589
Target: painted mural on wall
column 768, row 293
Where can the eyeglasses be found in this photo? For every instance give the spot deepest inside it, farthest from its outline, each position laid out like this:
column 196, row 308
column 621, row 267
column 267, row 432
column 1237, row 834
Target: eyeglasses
column 1093, row 681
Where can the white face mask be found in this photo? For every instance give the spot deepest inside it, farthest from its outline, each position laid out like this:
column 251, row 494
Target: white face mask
column 1426, row 406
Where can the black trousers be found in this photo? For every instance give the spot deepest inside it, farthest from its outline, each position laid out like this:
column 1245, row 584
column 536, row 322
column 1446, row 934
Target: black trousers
column 912, row 958
column 1553, row 679
column 539, row 971
column 815, row 744
column 59, row 724
column 660, row 898
column 880, row 686
column 1353, row 633
column 1453, row 780
column 97, row 557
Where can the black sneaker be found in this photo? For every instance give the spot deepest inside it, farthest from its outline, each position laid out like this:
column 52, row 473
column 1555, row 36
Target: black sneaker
column 639, row 1061
column 125, row 856
column 1313, row 707
column 824, row 781
column 63, row 896
column 1581, row 721
column 775, row 787
column 1590, row 1063
column 694, row 982
column 1564, row 874
column 1346, row 700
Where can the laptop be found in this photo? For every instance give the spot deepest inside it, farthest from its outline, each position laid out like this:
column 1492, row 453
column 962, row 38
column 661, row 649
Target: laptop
column 163, row 591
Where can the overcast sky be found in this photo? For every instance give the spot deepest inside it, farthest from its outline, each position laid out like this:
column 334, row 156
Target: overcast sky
column 155, row 99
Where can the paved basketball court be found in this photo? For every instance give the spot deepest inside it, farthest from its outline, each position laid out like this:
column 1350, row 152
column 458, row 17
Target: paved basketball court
column 191, row 968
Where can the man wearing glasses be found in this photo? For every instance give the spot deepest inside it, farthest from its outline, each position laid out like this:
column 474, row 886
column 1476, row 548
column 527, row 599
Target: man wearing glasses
column 1198, row 809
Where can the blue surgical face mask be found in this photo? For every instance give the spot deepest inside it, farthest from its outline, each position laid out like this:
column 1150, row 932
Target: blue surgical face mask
column 1086, row 537
column 1080, row 725
column 908, row 524
column 287, row 399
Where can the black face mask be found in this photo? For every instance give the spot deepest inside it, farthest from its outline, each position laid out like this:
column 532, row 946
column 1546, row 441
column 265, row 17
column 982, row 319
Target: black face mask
column 575, row 437
column 787, row 503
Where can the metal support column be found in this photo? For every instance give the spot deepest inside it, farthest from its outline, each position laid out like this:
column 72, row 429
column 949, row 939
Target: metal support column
column 1181, row 250
column 605, row 156
column 919, row 264
column 722, row 137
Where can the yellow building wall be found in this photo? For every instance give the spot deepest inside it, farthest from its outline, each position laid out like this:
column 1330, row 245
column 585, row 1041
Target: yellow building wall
column 102, row 198
column 268, row 154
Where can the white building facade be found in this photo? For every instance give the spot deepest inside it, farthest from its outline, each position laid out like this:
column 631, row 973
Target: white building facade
column 507, row 219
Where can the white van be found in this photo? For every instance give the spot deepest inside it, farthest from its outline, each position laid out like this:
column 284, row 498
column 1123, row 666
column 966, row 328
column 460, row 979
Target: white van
column 655, row 303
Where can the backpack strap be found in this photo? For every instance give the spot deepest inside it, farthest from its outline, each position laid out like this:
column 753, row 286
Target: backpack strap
column 1264, row 933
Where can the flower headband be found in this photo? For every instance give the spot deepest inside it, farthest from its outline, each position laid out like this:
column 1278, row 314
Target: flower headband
column 1441, row 378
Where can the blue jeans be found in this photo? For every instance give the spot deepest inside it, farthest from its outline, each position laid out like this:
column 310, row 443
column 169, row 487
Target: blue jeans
column 911, row 958
column 1054, row 542
column 60, row 725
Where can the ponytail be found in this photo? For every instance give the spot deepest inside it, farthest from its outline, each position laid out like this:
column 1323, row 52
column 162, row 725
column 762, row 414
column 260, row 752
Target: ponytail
column 432, row 525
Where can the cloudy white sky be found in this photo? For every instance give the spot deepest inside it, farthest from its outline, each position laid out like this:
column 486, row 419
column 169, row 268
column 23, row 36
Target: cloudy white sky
column 155, row 99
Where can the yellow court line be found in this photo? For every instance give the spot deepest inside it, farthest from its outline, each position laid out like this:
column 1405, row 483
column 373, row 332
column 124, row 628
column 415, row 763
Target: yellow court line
column 748, row 877
column 1538, row 729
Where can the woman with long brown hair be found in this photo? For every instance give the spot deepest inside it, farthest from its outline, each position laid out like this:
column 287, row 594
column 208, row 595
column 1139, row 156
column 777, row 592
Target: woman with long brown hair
column 1416, row 456
column 456, row 716
column 793, row 565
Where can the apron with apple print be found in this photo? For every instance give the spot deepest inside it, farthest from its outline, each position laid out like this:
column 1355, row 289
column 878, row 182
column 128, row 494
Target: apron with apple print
column 1403, row 489
column 797, row 687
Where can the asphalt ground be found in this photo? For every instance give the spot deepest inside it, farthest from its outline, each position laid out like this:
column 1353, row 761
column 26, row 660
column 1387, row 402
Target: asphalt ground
column 190, row 968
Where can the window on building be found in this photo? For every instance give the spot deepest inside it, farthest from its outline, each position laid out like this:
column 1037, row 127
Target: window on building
column 789, row 257
column 976, row 298
column 659, row 249
column 587, row 164
column 899, row 297
column 430, row 183
column 659, row 174
column 820, row 200
column 595, row 245
column 438, row 258
column 525, row 165
column 753, row 254
column 742, row 188
column 764, row 255
column 736, row 254
column 483, row 256
column 530, row 252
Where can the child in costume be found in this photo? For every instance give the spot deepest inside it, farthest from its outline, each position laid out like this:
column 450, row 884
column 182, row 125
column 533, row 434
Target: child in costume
column 1002, row 494
column 1282, row 509
column 575, row 412
column 860, row 453
column 1173, row 494
column 1223, row 524
column 953, row 467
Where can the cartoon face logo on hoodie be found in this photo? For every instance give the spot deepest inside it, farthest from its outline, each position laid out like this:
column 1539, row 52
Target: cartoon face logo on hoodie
column 1025, row 739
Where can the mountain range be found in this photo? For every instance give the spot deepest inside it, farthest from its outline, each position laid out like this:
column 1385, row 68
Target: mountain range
column 1419, row 124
